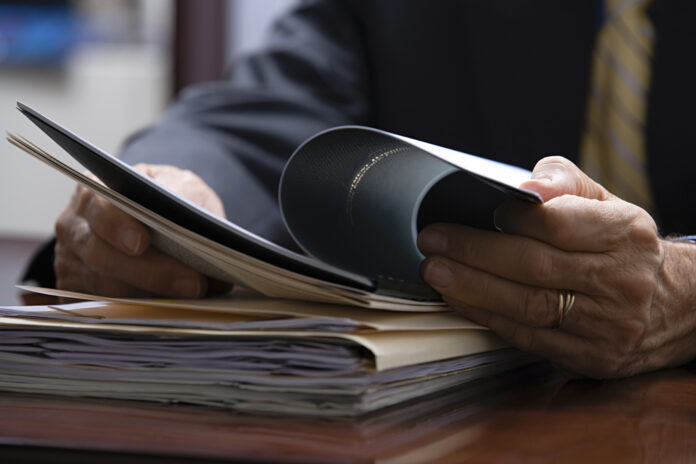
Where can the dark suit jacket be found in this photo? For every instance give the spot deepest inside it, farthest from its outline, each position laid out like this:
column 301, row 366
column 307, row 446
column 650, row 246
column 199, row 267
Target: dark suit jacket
column 500, row 78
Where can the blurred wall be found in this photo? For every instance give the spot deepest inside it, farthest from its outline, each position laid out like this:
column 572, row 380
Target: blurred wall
column 248, row 22
column 111, row 83
column 103, row 95
column 107, row 88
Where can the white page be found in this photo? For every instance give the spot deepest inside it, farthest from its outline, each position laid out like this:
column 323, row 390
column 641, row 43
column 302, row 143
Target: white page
column 116, row 313
column 246, row 303
column 512, row 176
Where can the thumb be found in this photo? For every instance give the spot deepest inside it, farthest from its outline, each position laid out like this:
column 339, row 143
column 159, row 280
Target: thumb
column 554, row 176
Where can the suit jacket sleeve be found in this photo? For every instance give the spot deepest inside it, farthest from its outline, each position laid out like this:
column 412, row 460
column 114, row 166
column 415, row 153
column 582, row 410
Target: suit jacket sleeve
column 238, row 134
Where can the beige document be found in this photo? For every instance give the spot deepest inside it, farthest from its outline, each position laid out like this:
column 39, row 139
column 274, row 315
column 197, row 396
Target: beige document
column 250, row 304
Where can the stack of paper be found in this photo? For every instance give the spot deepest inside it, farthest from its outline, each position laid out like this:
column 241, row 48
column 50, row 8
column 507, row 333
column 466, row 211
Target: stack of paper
column 247, row 353
column 255, row 353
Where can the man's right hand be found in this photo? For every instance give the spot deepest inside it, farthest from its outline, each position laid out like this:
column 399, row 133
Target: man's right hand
column 104, row 251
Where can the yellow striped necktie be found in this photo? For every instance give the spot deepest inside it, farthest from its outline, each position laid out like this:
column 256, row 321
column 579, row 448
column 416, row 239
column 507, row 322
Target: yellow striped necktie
column 613, row 146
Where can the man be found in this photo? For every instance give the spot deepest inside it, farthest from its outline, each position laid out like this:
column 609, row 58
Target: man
column 584, row 280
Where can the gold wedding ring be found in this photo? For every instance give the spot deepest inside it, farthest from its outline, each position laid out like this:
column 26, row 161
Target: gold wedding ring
column 566, row 298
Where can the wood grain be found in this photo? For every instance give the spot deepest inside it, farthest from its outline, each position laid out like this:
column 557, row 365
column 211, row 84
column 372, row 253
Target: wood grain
column 531, row 415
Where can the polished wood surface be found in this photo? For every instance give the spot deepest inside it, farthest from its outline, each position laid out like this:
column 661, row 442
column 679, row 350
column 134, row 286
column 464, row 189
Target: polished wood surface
column 532, row 415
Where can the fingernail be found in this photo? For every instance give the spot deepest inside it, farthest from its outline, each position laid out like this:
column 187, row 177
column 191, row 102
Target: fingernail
column 130, row 240
column 547, row 170
column 437, row 274
column 543, row 177
column 432, row 242
column 187, row 287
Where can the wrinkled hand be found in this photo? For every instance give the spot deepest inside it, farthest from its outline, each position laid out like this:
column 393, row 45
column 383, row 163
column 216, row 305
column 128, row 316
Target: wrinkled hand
column 102, row 250
column 635, row 293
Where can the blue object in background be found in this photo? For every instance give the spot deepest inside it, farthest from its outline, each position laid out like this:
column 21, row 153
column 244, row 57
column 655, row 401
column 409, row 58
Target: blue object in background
column 36, row 34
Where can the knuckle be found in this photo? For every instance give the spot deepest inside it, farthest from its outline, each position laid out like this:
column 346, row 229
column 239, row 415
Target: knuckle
column 538, row 307
column 599, row 273
column 617, row 357
column 542, row 265
column 61, row 266
column 77, row 234
column 614, row 237
column 643, row 233
column 613, row 240
column 636, row 287
column 64, row 225
column 94, row 255
column 61, row 228
column 639, row 290
column 629, row 337
column 84, row 196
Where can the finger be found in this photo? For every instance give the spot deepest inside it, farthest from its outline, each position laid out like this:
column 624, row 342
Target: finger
column 72, row 275
column 570, row 222
column 187, row 184
column 554, row 176
column 117, row 228
column 528, row 305
column 152, row 271
column 217, row 287
column 519, row 259
column 566, row 350
column 108, row 287
column 68, row 274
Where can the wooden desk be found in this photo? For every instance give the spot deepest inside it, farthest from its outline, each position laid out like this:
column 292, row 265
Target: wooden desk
column 534, row 416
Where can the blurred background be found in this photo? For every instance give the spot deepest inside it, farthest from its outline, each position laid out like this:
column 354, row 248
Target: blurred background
column 103, row 69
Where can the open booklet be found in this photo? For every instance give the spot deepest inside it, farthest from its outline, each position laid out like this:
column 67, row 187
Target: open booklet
column 354, row 198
